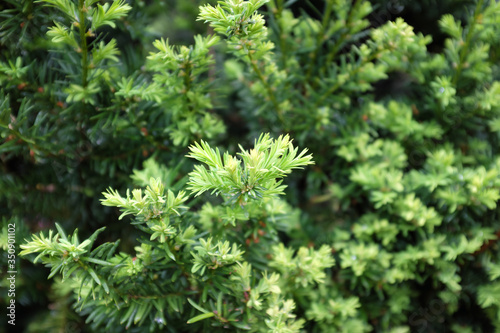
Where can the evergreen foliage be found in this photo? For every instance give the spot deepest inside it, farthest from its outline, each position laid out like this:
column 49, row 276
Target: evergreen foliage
column 391, row 225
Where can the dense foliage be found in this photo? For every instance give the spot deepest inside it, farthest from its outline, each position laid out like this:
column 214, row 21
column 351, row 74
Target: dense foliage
column 110, row 114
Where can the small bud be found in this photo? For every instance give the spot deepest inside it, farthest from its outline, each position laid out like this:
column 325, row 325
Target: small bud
column 40, row 90
column 21, row 86
column 414, row 109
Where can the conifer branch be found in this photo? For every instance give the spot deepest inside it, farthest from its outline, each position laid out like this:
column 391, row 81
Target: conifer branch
column 83, row 40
